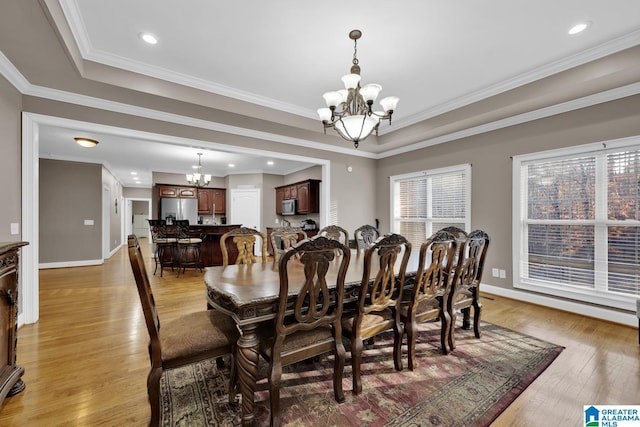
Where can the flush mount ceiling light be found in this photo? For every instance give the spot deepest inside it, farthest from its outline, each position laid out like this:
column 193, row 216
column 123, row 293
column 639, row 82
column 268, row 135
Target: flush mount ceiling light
column 197, row 178
column 149, row 38
column 86, row 142
column 578, row 28
column 350, row 109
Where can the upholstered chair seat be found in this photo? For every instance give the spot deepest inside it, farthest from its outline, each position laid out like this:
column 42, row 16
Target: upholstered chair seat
column 185, row 339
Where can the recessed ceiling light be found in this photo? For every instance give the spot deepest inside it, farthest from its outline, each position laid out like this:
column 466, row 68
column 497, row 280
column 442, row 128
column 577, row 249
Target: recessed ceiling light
column 86, row 142
column 134, row 173
column 578, row 28
column 231, row 165
column 270, row 162
column 149, row 38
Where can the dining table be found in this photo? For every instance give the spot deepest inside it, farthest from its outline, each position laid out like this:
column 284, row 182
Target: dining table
column 250, row 293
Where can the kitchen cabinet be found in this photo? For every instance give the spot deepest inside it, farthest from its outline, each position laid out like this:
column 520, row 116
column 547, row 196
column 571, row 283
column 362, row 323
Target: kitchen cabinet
column 10, row 374
column 279, row 198
column 306, row 193
column 220, row 200
column 176, row 191
column 308, row 197
column 212, row 201
column 205, row 201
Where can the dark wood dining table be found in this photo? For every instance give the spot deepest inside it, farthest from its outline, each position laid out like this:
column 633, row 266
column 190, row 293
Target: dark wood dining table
column 249, row 293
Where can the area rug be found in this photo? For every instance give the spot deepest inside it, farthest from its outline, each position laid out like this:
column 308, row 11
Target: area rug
column 470, row 386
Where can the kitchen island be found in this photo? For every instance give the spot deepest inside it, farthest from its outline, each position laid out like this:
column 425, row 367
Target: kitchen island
column 210, row 251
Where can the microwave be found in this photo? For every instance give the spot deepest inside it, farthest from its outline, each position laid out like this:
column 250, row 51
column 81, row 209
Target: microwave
column 289, row 207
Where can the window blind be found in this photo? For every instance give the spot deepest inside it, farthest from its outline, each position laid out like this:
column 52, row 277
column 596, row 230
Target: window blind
column 581, row 223
column 428, row 201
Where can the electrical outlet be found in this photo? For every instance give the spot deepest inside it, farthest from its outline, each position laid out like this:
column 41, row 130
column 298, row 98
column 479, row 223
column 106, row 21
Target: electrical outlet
column 503, row 274
column 495, row 272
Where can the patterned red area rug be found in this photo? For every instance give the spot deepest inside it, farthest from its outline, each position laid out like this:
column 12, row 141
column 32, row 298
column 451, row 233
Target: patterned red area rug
column 470, row 386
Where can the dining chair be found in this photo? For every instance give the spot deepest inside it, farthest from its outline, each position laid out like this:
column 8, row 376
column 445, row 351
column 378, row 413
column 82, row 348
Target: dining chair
column 189, row 247
column 457, row 232
column 425, row 297
column 245, row 240
column 335, row 232
column 379, row 301
column 164, row 245
column 308, row 324
column 284, row 238
column 365, row 236
column 188, row 339
column 464, row 293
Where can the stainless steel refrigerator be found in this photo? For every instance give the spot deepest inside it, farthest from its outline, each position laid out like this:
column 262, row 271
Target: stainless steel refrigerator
column 172, row 209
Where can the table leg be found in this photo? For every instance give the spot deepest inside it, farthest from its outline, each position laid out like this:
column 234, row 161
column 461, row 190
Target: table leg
column 247, row 363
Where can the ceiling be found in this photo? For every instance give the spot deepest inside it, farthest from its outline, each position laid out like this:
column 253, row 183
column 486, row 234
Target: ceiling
column 436, row 56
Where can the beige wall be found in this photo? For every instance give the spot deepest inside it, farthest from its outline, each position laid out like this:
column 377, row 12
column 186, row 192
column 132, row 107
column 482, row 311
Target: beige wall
column 270, row 183
column 139, row 207
column 10, row 161
column 115, row 208
column 70, row 193
column 490, row 156
column 136, row 193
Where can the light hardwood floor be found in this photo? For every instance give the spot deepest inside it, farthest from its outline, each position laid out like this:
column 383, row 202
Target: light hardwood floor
column 86, row 359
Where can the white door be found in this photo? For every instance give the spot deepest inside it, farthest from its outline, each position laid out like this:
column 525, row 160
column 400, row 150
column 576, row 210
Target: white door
column 245, row 210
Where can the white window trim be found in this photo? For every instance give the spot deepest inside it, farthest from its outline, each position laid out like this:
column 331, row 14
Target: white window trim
column 519, row 200
column 466, row 168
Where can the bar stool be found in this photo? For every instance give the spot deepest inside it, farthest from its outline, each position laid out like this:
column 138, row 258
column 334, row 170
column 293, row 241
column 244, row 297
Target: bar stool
column 189, row 248
column 165, row 245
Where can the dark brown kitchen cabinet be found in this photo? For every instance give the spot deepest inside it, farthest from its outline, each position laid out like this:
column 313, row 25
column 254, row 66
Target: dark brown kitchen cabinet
column 171, row 191
column 10, row 374
column 308, row 197
column 219, row 200
column 306, row 193
column 279, row 198
column 187, row 192
column 167, row 191
column 212, row 201
column 205, row 201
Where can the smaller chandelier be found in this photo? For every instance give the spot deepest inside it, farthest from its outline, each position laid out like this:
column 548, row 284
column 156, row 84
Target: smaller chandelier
column 197, row 178
column 350, row 109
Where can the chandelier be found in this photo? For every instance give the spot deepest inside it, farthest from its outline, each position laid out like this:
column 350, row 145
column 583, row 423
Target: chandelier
column 350, row 109
column 197, row 178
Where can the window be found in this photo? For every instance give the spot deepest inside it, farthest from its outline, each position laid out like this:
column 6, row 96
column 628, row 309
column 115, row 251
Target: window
column 577, row 223
column 425, row 202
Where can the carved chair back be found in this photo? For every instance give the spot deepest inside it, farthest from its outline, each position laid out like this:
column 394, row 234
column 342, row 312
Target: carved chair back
column 245, row 240
column 365, row 236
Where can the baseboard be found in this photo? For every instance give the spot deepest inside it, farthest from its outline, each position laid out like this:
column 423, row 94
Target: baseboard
column 82, row 263
column 614, row 316
column 65, row 264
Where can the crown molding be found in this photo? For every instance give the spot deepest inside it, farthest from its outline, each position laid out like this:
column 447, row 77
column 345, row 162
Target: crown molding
column 8, row 70
column 23, row 86
column 587, row 101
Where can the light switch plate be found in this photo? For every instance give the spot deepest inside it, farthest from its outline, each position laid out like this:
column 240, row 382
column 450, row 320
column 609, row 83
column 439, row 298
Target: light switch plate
column 15, row 228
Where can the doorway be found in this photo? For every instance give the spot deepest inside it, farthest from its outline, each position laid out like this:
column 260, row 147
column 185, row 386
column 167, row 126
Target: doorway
column 28, row 311
column 245, row 209
column 137, row 212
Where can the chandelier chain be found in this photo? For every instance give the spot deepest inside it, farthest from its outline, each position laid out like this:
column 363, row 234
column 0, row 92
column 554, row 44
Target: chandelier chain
column 355, row 52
